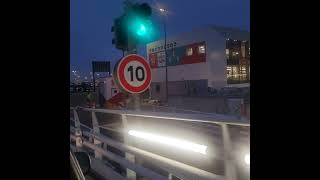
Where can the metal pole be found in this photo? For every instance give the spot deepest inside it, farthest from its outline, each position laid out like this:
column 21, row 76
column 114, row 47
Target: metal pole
column 94, row 80
column 130, row 157
column 230, row 171
column 132, row 49
column 165, row 53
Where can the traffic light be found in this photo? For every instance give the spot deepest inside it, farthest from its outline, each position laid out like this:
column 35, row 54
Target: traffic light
column 140, row 24
column 119, row 29
column 133, row 27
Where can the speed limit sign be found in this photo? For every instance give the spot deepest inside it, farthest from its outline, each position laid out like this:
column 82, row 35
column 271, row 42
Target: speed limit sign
column 133, row 74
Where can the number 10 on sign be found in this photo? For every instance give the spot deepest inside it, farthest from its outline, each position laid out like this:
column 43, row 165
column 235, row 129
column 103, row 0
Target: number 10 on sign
column 133, row 74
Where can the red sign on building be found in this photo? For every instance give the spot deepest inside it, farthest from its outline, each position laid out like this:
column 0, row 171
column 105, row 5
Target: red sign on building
column 153, row 60
column 189, row 54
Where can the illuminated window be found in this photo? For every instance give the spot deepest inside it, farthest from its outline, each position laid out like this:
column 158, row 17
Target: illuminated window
column 227, row 52
column 189, row 51
column 235, row 53
column 243, row 50
column 202, row 49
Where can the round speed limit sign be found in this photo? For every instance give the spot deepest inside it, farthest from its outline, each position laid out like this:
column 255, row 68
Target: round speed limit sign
column 133, row 74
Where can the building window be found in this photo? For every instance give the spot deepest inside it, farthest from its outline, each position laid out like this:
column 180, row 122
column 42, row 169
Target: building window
column 157, row 88
column 189, row 51
column 202, row 49
column 235, row 53
column 227, row 52
column 237, row 74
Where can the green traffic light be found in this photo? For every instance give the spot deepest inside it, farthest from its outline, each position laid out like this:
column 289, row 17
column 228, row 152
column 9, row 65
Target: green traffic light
column 141, row 30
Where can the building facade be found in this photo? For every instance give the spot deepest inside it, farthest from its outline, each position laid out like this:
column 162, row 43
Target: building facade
column 200, row 61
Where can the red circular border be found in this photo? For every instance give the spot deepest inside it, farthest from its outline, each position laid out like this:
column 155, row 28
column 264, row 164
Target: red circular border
column 120, row 73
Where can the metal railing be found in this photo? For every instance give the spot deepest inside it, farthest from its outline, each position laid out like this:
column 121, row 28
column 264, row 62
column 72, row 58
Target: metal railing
column 83, row 136
column 173, row 109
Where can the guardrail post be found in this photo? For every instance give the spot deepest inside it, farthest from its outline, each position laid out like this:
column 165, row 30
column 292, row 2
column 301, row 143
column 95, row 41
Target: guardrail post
column 130, row 157
column 78, row 132
column 78, row 135
column 230, row 171
column 76, row 119
column 96, row 130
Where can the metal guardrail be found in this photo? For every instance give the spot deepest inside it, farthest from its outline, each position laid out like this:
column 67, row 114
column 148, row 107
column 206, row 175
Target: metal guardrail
column 178, row 169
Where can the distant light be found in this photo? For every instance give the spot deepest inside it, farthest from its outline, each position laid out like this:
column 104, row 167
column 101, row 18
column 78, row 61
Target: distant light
column 162, row 10
column 247, row 159
column 181, row 144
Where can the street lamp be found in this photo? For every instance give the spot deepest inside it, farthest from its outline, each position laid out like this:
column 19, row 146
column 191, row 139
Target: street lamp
column 164, row 12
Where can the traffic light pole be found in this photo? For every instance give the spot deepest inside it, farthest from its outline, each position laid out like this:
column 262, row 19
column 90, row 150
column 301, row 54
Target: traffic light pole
column 134, row 97
column 130, row 29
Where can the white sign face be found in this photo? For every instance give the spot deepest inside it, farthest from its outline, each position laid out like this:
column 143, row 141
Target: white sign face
column 161, row 59
column 135, row 73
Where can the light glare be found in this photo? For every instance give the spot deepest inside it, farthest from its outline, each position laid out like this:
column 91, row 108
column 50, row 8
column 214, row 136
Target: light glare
column 247, row 159
column 142, row 30
column 181, row 144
